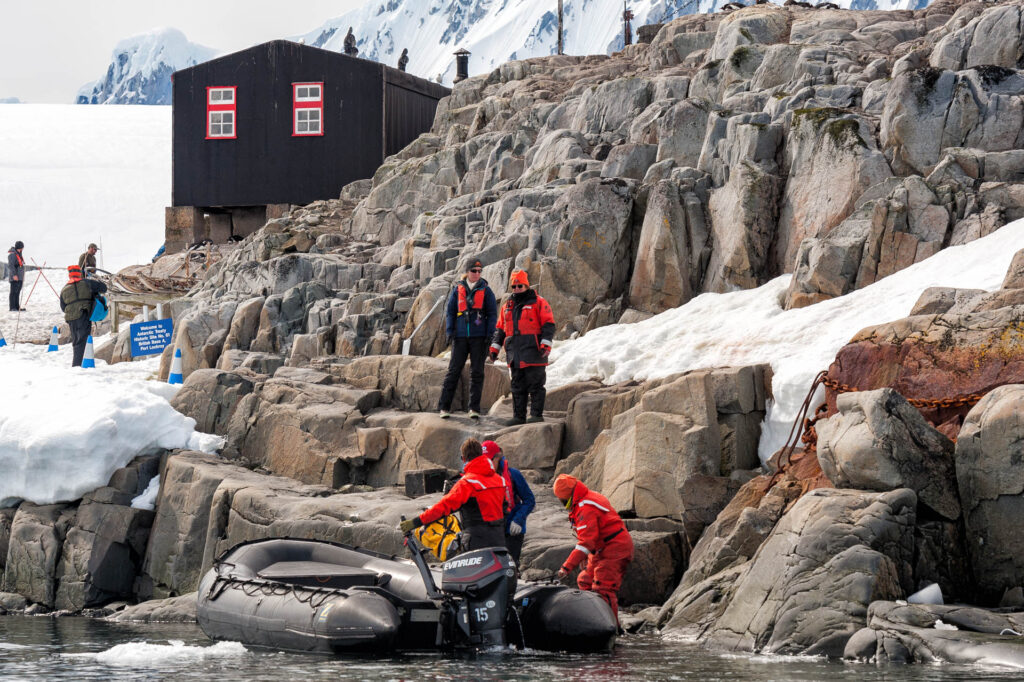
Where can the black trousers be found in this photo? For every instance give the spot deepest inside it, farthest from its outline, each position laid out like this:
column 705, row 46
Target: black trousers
column 15, row 297
column 528, row 386
column 514, row 543
column 478, row 536
column 475, row 348
column 80, row 330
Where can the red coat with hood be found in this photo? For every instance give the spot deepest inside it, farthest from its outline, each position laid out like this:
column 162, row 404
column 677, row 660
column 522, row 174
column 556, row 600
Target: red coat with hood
column 595, row 522
column 480, row 494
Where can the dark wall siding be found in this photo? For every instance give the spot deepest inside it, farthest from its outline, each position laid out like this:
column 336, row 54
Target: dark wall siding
column 266, row 164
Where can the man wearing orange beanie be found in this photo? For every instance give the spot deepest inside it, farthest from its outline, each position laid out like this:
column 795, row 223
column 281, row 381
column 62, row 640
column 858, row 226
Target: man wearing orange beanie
column 526, row 328
column 601, row 538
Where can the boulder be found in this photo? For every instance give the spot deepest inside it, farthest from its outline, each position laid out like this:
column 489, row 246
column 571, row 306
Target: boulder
column 651, row 450
column 988, row 452
column 181, row 609
column 807, row 589
column 301, row 430
column 929, row 109
column 935, row 357
column 830, row 159
column 413, row 383
column 425, row 441
column 34, row 551
column 897, row 632
column 879, row 441
column 101, row 555
column 210, row 396
column 674, row 247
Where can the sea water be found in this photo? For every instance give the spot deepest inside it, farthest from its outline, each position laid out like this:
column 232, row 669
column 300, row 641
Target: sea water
column 44, row 648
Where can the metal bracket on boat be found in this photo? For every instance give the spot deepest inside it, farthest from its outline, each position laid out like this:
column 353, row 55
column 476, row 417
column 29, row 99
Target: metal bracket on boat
column 417, row 551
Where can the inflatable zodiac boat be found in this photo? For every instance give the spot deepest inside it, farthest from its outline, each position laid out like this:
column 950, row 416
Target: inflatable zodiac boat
column 305, row 595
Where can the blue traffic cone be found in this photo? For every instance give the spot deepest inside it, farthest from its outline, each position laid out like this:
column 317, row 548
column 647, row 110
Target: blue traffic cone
column 3, row 341
column 53, row 340
column 175, row 376
column 89, row 361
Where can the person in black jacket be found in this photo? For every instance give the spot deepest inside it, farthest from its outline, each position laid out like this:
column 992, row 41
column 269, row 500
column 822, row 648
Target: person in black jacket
column 77, row 299
column 16, row 274
column 471, row 314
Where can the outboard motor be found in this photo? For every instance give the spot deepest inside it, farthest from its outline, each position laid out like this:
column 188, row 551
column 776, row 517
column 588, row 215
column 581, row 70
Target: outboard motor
column 481, row 585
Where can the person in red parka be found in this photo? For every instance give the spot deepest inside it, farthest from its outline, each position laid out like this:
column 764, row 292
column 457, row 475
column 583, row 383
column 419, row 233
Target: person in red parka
column 479, row 497
column 601, row 539
column 526, row 327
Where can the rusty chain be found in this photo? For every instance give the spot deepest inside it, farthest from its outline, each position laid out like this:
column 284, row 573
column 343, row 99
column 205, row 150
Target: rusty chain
column 809, row 435
column 920, row 403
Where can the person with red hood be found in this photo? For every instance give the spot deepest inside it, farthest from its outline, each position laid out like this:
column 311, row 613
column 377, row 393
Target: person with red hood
column 526, row 329
column 601, row 539
column 77, row 299
column 519, row 499
column 479, row 497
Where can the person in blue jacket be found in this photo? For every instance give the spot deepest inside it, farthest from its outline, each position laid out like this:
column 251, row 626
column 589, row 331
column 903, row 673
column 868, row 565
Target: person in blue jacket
column 469, row 325
column 519, row 500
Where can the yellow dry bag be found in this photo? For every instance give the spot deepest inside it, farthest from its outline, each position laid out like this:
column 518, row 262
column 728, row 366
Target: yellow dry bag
column 441, row 537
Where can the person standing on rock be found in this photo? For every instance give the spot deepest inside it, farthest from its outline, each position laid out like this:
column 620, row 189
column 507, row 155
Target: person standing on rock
column 601, row 539
column 479, row 497
column 526, row 328
column 519, row 500
column 87, row 261
column 77, row 299
column 16, row 274
column 471, row 315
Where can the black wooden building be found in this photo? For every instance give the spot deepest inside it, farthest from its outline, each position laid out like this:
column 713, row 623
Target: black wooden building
column 282, row 123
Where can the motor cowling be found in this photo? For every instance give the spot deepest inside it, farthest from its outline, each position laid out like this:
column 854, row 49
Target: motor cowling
column 481, row 585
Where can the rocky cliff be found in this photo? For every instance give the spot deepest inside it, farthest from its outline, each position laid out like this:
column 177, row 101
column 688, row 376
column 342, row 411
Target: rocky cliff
column 840, row 146
column 837, row 145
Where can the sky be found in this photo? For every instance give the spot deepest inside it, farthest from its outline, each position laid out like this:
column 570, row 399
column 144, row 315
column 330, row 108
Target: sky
column 50, row 48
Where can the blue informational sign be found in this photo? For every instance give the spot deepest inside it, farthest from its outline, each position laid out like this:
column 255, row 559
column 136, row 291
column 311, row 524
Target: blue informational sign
column 149, row 338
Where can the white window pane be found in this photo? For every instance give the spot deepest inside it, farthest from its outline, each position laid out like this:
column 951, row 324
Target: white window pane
column 214, row 129
column 303, row 114
column 303, row 127
column 214, row 95
column 303, row 92
column 314, row 92
column 229, row 96
column 228, row 117
column 228, row 129
column 314, row 127
column 314, row 114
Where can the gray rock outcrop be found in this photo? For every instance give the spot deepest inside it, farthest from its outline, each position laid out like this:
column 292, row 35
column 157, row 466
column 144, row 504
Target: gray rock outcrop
column 988, row 453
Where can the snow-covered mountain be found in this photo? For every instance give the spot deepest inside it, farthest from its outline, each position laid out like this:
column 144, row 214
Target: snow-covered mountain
column 141, row 67
column 496, row 31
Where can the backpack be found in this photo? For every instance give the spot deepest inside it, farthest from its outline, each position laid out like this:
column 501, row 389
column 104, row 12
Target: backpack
column 441, row 537
column 99, row 311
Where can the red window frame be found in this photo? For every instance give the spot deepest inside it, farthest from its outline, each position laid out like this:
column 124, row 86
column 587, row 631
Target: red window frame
column 307, row 104
column 231, row 107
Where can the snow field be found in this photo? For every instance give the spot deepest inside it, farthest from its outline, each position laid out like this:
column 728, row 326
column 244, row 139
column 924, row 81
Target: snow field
column 749, row 327
column 64, row 430
column 71, row 175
